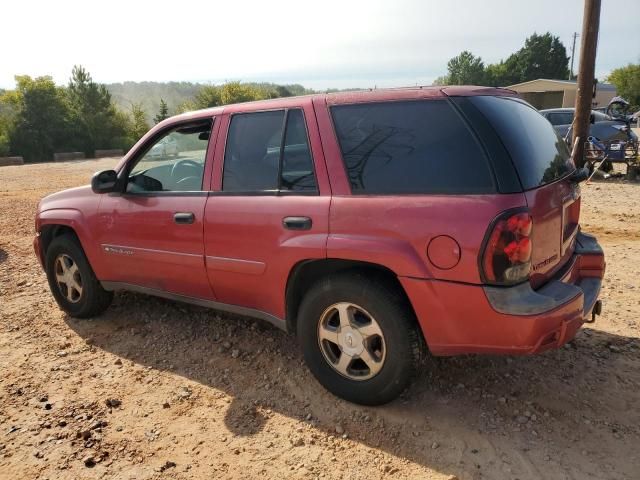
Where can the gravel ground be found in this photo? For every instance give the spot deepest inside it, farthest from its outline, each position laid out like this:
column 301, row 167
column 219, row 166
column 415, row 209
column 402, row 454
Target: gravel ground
column 155, row 389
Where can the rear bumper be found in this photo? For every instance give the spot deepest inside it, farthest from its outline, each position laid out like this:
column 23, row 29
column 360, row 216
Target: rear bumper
column 460, row 318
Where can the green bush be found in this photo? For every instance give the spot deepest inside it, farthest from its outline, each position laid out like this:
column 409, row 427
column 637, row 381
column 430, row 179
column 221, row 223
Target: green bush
column 4, row 144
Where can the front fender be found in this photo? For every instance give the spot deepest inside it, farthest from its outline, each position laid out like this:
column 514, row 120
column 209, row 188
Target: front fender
column 76, row 220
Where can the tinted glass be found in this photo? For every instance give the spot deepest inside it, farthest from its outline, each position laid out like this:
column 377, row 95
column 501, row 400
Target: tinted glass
column 539, row 154
column 297, row 164
column 600, row 117
column 560, row 118
column 252, row 154
column 410, row 147
column 174, row 162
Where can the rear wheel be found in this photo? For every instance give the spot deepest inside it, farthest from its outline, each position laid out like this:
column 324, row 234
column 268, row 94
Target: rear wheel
column 72, row 281
column 359, row 338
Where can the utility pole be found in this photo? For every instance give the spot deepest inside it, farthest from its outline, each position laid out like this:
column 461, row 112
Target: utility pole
column 586, row 71
column 573, row 54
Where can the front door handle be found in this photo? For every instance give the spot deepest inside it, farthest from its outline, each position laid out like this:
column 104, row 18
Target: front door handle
column 296, row 223
column 184, row 218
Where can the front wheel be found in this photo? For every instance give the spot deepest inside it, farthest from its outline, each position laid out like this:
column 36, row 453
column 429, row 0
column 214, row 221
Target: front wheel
column 359, row 338
column 72, row 281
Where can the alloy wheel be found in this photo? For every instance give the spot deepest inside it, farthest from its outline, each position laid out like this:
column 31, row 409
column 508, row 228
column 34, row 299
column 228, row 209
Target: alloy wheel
column 351, row 341
column 68, row 278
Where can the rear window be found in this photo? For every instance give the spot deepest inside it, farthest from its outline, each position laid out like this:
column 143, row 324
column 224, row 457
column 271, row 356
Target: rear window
column 560, row 118
column 415, row 147
column 539, row 154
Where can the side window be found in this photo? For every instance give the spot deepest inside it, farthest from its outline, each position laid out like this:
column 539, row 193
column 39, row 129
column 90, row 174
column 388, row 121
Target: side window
column 173, row 163
column 417, row 147
column 297, row 164
column 257, row 152
column 253, row 151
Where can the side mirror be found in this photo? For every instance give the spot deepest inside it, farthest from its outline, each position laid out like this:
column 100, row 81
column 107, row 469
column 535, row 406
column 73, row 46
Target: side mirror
column 592, row 119
column 104, row 182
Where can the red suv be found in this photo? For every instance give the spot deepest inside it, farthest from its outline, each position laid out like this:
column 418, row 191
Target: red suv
column 374, row 225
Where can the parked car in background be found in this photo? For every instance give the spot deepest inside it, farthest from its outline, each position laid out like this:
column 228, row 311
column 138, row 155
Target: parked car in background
column 604, row 127
column 373, row 225
column 166, row 147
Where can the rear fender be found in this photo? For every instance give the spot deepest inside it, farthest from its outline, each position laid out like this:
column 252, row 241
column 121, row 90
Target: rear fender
column 397, row 255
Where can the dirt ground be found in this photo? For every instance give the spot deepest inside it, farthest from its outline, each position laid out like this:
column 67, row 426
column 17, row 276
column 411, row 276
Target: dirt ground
column 155, row 389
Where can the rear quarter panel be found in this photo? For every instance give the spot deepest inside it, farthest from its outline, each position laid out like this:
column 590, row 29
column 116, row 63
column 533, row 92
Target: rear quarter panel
column 394, row 231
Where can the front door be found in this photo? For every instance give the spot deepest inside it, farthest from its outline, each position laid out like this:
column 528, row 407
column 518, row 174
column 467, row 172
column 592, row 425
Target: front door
column 151, row 234
column 270, row 208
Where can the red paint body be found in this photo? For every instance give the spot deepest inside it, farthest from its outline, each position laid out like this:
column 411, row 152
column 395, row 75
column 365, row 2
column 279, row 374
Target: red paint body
column 237, row 252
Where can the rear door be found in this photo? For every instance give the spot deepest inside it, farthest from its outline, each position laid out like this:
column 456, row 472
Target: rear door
column 542, row 161
column 270, row 204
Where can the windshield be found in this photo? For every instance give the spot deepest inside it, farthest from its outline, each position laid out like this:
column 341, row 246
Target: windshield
column 539, row 154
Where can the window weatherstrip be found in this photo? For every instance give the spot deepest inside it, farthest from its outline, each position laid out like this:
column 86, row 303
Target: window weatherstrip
column 283, row 138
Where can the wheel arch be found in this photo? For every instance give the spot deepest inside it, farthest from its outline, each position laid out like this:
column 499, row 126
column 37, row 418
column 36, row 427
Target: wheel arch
column 307, row 272
column 56, row 222
column 50, row 231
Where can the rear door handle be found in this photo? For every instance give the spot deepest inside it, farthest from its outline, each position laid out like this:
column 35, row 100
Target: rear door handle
column 297, row 223
column 184, row 217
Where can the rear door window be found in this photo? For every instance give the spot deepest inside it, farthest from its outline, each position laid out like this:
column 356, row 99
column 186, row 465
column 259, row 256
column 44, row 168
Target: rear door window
column 252, row 153
column 297, row 163
column 539, row 154
column 415, row 147
column 264, row 153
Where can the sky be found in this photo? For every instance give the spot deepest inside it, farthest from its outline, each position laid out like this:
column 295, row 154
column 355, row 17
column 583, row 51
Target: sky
column 326, row 44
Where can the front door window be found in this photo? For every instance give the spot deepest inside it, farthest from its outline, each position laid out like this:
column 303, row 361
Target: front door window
column 173, row 163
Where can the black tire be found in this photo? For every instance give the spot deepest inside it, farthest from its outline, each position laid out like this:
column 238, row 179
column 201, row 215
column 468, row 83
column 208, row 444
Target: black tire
column 607, row 166
column 94, row 299
column 403, row 342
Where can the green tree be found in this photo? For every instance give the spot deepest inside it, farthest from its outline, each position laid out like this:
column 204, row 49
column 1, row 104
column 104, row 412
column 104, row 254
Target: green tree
column 228, row 93
column 503, row 73
column 208, row 96
column 94, row 116
column 139, row 125
column 186, row 106
column 5, row 145
column 543, row 56
column 9, row 102
column 124, row 138
column 627, row 83
column 41, row 124
column 442, row 80
column 283, row 91
column 163, row 113
column 465, row 69
column 237, row 92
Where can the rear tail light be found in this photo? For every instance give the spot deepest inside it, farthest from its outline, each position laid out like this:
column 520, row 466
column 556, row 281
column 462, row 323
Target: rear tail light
column 506, row 257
